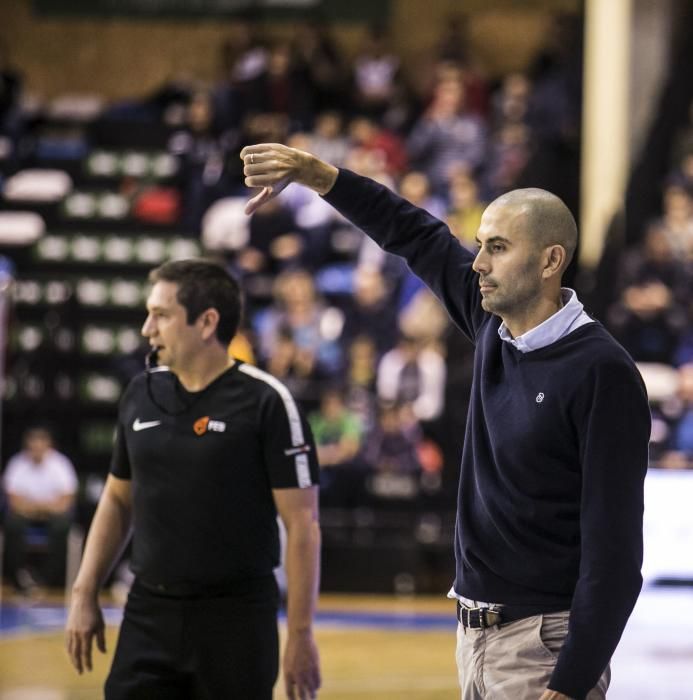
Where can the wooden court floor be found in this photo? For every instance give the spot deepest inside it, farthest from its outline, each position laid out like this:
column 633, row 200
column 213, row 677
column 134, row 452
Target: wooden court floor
column 371, row 648
column 378, row 648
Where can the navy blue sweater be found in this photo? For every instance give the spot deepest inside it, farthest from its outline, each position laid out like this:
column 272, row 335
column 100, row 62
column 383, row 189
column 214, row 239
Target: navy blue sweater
column 555, row 453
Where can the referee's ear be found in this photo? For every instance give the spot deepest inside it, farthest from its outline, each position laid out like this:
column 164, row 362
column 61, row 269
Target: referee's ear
column 208, row 321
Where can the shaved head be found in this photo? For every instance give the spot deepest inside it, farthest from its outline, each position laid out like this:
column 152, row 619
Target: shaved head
column 547, row 220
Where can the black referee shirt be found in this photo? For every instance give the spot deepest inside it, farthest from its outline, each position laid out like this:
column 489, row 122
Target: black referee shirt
column 203, row 466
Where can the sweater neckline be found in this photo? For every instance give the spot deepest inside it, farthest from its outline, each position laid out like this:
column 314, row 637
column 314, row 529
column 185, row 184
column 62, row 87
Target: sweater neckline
column 585, row 329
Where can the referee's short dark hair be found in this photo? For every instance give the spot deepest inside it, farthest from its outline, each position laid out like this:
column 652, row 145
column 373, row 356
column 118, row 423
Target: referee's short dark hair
column 204, row 284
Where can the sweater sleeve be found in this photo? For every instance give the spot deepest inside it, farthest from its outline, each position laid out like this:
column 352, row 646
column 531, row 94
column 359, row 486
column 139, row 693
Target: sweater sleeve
column 614, row 427
column 426, row 243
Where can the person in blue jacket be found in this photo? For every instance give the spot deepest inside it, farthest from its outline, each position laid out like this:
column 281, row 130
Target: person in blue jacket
column 548, row 542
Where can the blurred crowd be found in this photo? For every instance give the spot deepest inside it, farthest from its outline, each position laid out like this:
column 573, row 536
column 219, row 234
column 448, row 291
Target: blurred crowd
column 652, row 313
column 358, row 340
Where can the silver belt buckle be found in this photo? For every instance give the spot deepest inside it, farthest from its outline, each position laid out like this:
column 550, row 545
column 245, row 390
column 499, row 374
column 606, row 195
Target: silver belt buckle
column 490, row 617
column 487, row 617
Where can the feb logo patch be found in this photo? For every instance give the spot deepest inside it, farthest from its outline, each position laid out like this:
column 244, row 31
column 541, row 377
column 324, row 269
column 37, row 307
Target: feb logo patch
column 200, row 425
column 206, row 424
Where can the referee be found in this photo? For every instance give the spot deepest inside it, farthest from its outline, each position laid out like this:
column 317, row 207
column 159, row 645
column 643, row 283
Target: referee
column 208, row 450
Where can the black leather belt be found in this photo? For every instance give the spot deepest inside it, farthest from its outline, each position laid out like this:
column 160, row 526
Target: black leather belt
column 481, row 618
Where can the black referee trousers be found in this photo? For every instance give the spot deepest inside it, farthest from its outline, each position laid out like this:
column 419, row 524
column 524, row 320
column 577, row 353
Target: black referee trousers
column 224, row 647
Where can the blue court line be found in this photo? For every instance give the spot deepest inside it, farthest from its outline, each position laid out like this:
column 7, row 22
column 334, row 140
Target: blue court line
column 388, row 620
column 17, row 619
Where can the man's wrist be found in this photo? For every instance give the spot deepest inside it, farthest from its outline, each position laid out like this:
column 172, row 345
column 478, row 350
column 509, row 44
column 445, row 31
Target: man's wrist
column 85, row 590
column 318, row 175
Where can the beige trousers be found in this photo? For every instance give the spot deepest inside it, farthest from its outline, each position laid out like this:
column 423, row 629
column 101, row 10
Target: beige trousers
column 515, row 661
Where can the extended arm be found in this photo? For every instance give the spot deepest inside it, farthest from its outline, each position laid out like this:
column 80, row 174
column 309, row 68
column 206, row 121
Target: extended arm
column 108, row 534
column 398, row 226
column 298, row 509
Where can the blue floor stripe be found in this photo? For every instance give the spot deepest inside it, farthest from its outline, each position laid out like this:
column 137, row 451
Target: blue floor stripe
column 388, row 620
column 26, row 618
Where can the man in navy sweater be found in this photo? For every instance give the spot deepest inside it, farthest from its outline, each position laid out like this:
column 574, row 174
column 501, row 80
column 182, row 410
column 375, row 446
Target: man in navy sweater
column 548, row 541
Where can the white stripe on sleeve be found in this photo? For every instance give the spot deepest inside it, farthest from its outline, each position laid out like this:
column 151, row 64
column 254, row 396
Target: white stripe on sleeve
column 303, row 471
column 295, row 427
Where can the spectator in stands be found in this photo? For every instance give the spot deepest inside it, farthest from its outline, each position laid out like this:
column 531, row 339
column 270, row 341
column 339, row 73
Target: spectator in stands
column 370, row 310
column 453, row 54
column 511, row 101
column 412, row 374
column 336, row 430
column 41, row 487
column 376, row 72
column 362, row 363
column 359, row 380
column 312, row 326
column 509, row 148
column 204, row 149
column 371, row 162
column 321, row 65
column 447, row 136
column 678, row 452
column 509, row 153
column 677, row 218
column 228, row 90
column 282, row 90
column 360, row 373
column 657, row 258
column 555, row 112
column 650, row 316
column 274, row 242
column 556, row 76
column 338, row 442
column 391, row 445
column 685, row 170
column 453, row 40
column 245, row 54
column 328, row 135
column 465, row 210
column 241, row 348
column 423, row 318
column 366, row 134
column 297, row 368
column 416, row 188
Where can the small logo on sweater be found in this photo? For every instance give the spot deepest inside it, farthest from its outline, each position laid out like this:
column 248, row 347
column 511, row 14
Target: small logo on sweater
column 207, row 425
column 540, row 397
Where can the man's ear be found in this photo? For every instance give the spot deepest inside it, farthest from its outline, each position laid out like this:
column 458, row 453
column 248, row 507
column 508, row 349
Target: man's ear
column 554, row 259
column 209, row 320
